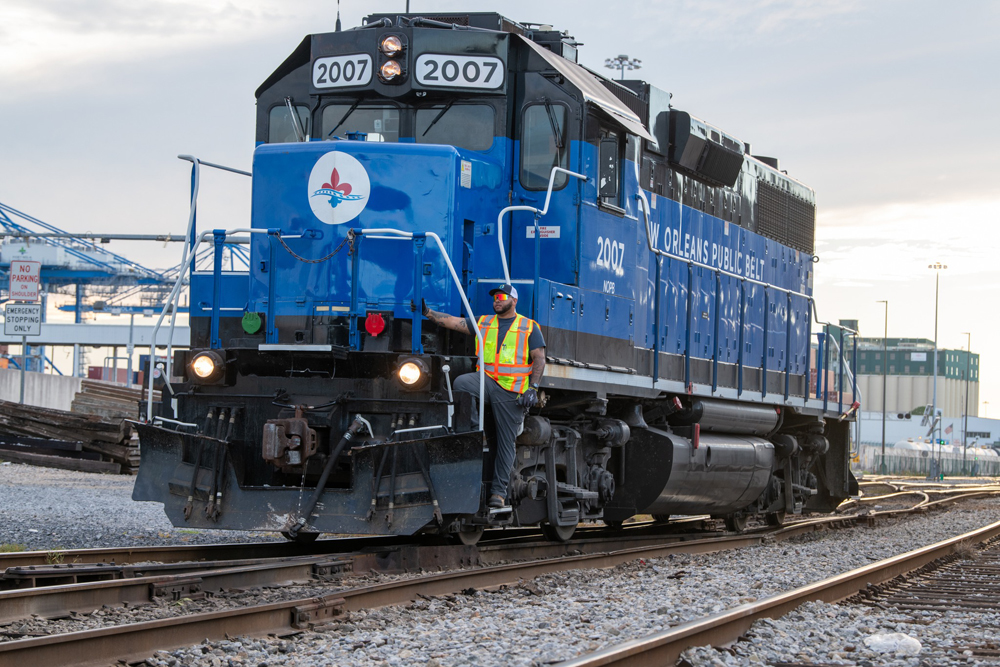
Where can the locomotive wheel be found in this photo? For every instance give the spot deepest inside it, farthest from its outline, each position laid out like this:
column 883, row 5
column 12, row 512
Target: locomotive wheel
column 736, row 523
column 301, row 538
column 661, row 518
column 558, row 533
column 776, row 519
column 468, row 537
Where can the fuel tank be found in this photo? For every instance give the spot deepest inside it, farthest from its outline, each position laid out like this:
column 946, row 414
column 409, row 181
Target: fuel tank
column 723, row 474
column 725, row 417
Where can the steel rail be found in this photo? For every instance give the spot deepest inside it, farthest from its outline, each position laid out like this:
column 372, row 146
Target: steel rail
column 59, row 601
column 194, row 552
column 664, row 648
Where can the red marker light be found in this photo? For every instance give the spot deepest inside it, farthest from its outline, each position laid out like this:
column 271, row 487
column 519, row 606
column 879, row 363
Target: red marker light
column 374, row 324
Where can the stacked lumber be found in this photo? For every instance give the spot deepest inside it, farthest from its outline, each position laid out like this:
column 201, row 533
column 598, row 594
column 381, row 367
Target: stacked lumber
column 110, row 400
column 112, row 439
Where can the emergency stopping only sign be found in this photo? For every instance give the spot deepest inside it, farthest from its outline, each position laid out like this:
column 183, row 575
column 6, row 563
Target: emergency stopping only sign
column 23, row 319
column 25, row 280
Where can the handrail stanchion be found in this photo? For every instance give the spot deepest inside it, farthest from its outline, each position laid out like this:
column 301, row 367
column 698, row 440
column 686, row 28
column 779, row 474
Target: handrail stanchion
column 840, row 371
column 656, row 320
column 826, row 366
column 715, row 332
column 854, row 369
column 272, row 271
column 763, row 357
column 419, row 241
column 354, row 339
column 687, row 325
column 819, row 364
column 809, row 352
column 739, row 357
column 538, row 271
column 219, row 240
column 788, row 345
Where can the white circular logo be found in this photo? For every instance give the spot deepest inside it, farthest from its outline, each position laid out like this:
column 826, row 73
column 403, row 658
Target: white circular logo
column 338, row 188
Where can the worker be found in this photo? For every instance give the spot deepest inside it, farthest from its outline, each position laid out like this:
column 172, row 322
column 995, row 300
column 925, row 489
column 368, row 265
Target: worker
column 514, row 358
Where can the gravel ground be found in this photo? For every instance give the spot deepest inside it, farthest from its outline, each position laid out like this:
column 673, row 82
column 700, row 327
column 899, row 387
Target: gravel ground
column 848, row 635
column 558, row 616
column 46, row 508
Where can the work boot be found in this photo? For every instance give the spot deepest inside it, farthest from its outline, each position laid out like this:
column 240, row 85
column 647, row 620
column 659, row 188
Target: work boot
column 495, row 502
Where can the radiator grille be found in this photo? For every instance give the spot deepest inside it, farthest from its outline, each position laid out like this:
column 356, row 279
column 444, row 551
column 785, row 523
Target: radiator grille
column 785, row 218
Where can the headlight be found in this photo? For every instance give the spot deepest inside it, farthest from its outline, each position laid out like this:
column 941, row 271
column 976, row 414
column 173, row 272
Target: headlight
column 391, row 46
column 413, row 373
column 409, row 374
column 207, row 366
column 390, row 70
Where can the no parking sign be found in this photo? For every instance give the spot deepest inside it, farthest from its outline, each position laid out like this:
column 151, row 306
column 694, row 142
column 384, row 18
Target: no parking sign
column 25, row 280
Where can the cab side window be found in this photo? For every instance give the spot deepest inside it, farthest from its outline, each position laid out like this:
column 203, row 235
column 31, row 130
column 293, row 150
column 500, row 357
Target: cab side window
column 609, row 168
column 543, row 146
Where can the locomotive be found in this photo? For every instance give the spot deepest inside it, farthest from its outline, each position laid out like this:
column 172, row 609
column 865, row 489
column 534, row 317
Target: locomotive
column 431, row 159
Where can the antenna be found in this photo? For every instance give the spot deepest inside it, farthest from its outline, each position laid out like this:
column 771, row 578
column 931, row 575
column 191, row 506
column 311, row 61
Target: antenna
column 337, row 29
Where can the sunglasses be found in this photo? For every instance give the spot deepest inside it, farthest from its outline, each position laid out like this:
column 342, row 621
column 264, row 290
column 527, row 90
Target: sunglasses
column 500, row 296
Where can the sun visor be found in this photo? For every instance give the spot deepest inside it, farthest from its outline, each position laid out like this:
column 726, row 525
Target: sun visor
column 593, row 91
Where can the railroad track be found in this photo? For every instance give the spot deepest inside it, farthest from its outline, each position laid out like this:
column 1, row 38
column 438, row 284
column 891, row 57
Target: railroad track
column 138, row 640
column 136, row 585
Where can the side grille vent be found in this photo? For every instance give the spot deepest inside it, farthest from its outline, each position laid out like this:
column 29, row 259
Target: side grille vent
column 785, row 218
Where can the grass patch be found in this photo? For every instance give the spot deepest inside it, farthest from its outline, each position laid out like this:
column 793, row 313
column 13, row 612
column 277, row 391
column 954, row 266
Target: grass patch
column 10, row 548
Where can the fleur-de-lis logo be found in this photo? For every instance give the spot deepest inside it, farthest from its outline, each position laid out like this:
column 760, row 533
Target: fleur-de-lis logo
column 338, row 186
column 336, row 191
column 335, row 183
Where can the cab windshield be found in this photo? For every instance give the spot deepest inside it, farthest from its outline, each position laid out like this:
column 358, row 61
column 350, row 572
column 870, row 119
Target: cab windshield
column 462, row 125
column 379, row 122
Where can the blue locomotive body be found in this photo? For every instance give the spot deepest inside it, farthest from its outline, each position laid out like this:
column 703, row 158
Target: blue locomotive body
column 431, row 159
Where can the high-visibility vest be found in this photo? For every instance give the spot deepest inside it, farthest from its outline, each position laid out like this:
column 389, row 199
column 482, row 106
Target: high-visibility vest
column 511, row 368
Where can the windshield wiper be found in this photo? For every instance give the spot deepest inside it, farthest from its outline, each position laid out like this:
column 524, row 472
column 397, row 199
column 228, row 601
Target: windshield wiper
column 438, row 117
column 344, row 117
column 555, row 126
column 294, row 115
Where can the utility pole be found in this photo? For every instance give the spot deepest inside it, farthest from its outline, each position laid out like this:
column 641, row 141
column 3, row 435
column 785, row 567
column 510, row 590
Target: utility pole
column 965, row 420
column 885, row 370
column 937, row 267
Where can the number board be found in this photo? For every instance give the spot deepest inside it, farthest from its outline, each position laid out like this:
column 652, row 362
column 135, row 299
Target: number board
column 453, row 71
column 342, row 71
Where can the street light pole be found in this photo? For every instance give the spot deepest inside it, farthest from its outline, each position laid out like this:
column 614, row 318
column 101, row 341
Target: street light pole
column 937, row 267
column 965, row 420
column 885, row 367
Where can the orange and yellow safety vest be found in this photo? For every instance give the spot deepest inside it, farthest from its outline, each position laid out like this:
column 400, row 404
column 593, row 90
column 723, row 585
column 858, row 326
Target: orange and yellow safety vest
column 512, row 367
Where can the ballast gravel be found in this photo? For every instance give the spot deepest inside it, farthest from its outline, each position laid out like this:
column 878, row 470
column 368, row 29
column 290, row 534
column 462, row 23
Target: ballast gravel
column 556, row 617
column 842, row 634
column 44, row 509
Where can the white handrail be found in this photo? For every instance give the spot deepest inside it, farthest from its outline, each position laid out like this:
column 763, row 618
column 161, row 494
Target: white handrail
column 171, row 304
column 538, row 212
column 465, row 302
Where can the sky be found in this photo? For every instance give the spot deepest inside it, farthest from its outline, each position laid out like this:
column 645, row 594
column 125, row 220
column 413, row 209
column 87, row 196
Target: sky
column 887, row 108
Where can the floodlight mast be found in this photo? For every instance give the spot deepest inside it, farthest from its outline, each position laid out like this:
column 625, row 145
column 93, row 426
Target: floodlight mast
column 623, row 62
